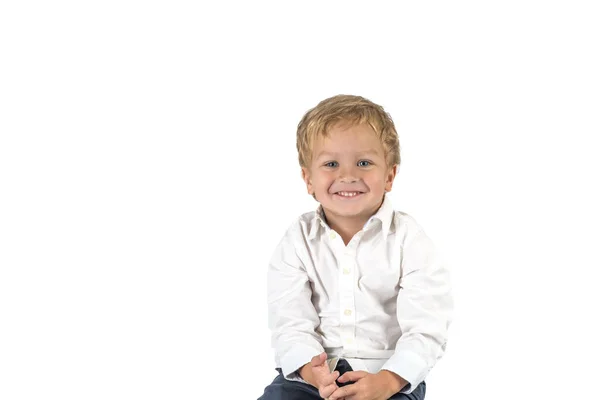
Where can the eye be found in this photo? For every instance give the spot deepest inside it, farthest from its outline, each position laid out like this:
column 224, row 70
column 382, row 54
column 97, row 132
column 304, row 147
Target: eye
column 331, row 164
column 366, row 163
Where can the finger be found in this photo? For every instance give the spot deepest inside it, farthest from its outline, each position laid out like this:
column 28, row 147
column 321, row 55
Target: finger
column 352, row 376
column 326, row 391
column 328, row 379
column 342, row 392
column 318, row 360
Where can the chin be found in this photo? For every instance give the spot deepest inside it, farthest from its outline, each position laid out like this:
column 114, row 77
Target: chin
column 347, row 209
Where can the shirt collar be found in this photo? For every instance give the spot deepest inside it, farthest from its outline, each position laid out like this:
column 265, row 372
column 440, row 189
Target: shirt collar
column 385, row 214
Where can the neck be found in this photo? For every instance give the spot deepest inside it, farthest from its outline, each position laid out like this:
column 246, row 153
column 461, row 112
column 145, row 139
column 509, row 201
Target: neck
column 346, row 227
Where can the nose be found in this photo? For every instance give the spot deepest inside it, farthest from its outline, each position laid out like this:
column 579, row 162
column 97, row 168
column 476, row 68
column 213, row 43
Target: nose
column 348, row 174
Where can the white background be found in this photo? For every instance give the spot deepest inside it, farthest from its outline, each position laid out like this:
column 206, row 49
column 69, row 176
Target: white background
column 148, row 169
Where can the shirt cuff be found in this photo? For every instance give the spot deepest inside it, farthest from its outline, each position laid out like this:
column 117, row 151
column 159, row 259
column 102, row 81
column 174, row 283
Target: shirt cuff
column 409, row 366
column 295, row 358
column 295, row 376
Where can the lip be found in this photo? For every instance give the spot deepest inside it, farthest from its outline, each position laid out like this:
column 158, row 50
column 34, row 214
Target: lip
column 344, row 198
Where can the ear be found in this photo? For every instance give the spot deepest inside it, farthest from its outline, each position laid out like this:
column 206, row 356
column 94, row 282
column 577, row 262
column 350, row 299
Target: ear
column 307, row 180
column 389, row 178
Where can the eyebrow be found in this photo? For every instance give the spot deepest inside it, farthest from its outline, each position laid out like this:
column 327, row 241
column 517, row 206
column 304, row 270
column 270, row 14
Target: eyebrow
column 360, row 153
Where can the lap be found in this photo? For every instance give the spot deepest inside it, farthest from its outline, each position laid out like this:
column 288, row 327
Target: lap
column 283, row 389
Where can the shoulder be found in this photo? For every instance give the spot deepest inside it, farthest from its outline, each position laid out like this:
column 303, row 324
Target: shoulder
column 300, row 229
column 294, row 244
column 302, row 226
column 406, row 226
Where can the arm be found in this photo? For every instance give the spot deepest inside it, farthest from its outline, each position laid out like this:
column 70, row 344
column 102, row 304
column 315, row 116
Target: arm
column 424, row 311
column 292, row 316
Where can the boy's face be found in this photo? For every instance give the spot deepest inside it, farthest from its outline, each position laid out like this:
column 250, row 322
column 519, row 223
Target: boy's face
column 348, row 173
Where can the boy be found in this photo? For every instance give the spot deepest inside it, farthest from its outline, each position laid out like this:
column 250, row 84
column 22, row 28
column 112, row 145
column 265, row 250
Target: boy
column 359, row 302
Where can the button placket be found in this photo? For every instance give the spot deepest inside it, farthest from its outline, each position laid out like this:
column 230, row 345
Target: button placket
column 346, row 303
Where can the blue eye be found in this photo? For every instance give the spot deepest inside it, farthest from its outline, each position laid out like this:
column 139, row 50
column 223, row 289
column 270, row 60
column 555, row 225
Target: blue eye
column 364, row 165
column 331, row 162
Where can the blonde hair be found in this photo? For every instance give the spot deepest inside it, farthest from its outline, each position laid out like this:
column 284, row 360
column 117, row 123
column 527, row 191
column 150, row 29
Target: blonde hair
column 346, row 108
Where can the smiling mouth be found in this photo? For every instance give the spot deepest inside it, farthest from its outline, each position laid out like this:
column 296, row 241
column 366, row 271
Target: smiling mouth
column 348, row 195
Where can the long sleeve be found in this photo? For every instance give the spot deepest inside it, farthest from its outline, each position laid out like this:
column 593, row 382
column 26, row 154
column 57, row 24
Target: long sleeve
column 292, row 317
column 424, row 311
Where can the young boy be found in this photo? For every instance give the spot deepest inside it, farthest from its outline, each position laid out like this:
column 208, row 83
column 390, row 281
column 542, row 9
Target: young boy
column 359, row 300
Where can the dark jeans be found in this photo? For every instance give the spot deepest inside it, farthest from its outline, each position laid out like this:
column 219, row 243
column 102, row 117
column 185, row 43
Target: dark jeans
column 282, row 389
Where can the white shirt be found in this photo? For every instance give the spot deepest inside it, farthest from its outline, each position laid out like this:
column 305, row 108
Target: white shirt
column 381, row 302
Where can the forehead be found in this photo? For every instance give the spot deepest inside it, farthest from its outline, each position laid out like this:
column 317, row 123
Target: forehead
column 349, row 140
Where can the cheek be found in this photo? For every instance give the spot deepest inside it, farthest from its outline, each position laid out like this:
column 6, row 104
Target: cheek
column 322, row 184
column 374, row 178
column 377, row 181
column 321, row 179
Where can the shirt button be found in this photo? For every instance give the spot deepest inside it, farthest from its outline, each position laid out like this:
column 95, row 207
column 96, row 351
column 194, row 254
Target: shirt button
column 332, row 235
column 348, row 312
column 349, row 340
column 346, row 271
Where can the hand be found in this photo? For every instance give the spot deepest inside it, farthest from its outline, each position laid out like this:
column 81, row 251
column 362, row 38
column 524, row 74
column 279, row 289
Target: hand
column 317, row 373
column 380, row 386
